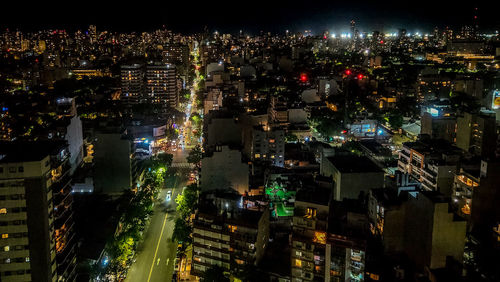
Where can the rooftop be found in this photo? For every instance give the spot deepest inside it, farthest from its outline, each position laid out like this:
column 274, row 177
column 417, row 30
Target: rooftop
column 28, row 151
column 354, row 164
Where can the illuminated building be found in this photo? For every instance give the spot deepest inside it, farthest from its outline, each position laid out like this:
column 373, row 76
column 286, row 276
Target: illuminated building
column 464, row 186
column 433, row 163
column 176, row 54
column 309, row 234
column 132, row 84
column 81, row 73
column 36, row 204
column 161, row 85
column 212, row 101
column 227, row 235
column 268, row 144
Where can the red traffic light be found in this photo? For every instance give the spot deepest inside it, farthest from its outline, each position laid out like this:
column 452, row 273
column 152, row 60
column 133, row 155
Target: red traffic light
column 360, row 76
column 348, row 72
column 303, row 77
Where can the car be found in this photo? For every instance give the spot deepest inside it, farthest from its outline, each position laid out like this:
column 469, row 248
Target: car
column 169, row 195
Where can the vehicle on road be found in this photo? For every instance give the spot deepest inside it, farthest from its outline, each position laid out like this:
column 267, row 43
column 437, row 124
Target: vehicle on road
column 169, row 196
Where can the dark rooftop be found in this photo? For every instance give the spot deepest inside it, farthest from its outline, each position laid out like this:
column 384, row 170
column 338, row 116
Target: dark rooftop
column 27, row 151
column 354, row 164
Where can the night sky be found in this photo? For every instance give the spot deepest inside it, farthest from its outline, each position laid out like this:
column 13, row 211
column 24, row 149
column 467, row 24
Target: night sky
column 251, row 16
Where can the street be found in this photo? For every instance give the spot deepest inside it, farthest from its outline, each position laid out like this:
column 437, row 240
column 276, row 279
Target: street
column 156, row 254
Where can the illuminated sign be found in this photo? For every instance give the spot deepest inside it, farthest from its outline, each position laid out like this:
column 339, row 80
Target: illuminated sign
column 434, row 112
column 496, row 100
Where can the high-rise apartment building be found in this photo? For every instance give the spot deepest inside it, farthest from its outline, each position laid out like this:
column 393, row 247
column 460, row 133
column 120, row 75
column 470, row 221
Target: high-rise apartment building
column 161, row 85
column 36, row 223
column 132, row 83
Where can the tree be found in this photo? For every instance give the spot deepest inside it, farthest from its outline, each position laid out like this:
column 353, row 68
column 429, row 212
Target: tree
column 395, row 119
column 214, row 274
column 187, row 200
column 182, row 231
column 291, row 138
column 195, row 155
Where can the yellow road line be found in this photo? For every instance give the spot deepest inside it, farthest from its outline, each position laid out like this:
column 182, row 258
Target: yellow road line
column 161, row 235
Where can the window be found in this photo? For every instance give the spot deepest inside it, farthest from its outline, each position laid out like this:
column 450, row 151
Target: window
column 5, row 235
column 6, row 248
column 298, row 262
column 310, row 213
column 1, row 169
column 7, row 260
column 21, row 169
column 12, row 169
column 3, row 211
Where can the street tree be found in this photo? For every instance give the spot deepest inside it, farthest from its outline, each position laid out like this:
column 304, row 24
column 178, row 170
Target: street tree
column 195, row 155
column 214, row 274
column 182, row 231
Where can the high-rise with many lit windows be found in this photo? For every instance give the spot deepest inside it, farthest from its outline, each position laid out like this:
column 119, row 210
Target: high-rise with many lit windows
column 161, row 85
column 36, row 222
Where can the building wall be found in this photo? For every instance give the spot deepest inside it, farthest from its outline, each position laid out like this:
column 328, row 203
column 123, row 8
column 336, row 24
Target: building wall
column 223, row 170
column 74, row 136
column 27, row 232
column 433, row 233
column 112, row 169
column 448, row 237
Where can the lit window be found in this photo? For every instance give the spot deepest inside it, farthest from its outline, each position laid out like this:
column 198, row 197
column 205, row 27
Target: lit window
column 319, row 237
column 310, row 213
column 3, row 210
column 257, row 156
column 27, row 259
column 5, row 236
column 6, row 248
column 7, row 260
column 298, row 262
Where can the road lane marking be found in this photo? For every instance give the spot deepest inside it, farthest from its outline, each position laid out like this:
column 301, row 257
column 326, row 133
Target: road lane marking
column 158, row 261
column 159, row 239
column 168, row 259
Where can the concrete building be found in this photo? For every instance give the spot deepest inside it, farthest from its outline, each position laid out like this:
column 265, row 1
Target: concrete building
column 224, row 169
column 433, row 234
column 438, row 127
column 309, row 234
column 221, row 128
column 132, row 84
column 212, row 101
column 351, row 175
column 228, row 236
column 433, row 163
column 112, row 163
column 268, row 144
column 466, row 182
column 161, row 85
column 477, row 133
column 36, row 218
column 485, row 210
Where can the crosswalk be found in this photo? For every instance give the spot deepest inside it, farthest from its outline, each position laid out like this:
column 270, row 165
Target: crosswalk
column 182, row 165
